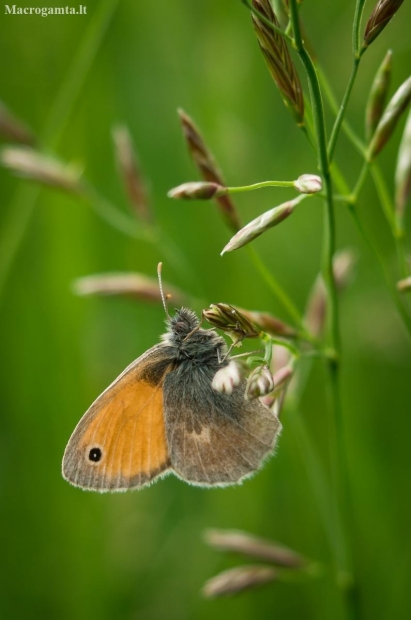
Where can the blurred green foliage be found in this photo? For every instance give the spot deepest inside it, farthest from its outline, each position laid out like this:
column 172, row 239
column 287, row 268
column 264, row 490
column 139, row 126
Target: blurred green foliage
column 69, row 554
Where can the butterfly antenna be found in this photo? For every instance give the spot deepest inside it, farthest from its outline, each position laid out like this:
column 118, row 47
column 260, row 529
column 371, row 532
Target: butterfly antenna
column 160, row 282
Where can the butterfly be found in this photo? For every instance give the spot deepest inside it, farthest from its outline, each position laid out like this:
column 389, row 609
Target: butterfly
column 162, row 415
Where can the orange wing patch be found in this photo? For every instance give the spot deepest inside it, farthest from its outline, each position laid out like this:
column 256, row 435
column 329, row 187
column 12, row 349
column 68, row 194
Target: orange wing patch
column 120, row 442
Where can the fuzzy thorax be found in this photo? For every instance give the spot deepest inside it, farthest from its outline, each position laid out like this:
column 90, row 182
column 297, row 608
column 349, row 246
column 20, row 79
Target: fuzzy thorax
column 185, row 334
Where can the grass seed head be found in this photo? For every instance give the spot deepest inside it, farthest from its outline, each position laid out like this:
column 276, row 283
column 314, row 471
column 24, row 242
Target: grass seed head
column 403, row 171
column 391, row 115
column 238, row 579
column 378, row 96
column 207, row 166
column 197, row 190
column 134, row 285
column 252, row 546
column 404, row 286
column 383, row 12
column 260, row 224
column 278, row 59
column 231, row 321
column 30, row 164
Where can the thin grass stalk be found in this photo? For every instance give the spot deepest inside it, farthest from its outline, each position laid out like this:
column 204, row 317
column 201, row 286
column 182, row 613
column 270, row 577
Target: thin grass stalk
column 357, row 54
column 345, row 577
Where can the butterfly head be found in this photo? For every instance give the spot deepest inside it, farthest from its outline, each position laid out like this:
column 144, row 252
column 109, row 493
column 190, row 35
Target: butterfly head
column 185, row 333
column 183, row 323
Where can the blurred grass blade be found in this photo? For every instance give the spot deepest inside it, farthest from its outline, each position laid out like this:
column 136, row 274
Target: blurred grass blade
column 278, row 59
column 316, row 311
column 392, row 114
column 206, row 164
column 19, row 217
column 378, row 96
column 131, row 174
column 13, row 129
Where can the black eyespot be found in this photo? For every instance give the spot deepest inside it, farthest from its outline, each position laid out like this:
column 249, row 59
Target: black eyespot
column 95, row 455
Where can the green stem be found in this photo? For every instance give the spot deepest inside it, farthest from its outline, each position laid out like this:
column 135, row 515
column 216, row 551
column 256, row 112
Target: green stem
column 384, row 196
column 116, row 218
column 250, row 188
column 357, row 53
column 356, row 31
column 340, row 116
column 360, row 182
column 345, row 577
column 346, row 127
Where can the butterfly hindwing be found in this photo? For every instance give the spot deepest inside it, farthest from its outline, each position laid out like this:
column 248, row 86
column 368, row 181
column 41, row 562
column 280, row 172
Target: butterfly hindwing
column 120, row 441
column 213, row 438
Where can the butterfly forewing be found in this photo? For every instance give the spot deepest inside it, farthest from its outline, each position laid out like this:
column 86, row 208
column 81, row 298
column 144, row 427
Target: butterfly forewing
column 120, row 442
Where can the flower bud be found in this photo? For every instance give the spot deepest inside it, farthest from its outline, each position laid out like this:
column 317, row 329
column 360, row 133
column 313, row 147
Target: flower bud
column 231, row 321
column 378, row 95
column 259, row 383
column 390, row 118
column 238, row 579
column 197, row 191
column 308, row 184
column 228, row 378
column 261, row 223
column 381, row 15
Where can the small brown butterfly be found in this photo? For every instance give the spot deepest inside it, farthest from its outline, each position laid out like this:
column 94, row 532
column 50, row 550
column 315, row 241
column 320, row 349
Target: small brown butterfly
column 161, row 415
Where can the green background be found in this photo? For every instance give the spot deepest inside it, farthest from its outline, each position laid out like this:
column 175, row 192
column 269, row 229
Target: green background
column 68, row 554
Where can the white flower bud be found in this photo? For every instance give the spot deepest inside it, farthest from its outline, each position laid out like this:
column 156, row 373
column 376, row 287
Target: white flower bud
column 227, row 378
column 308, row 184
